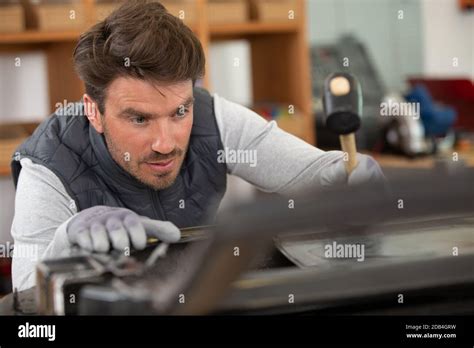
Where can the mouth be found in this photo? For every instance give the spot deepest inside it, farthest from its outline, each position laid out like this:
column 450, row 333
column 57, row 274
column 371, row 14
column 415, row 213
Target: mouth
column 163, row 166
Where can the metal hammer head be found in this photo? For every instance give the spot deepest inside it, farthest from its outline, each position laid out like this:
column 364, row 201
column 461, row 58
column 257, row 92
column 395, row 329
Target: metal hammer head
column 342, row 102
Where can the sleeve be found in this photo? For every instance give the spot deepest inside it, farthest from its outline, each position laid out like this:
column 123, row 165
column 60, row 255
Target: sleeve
column 279, row 162
column 42, row 211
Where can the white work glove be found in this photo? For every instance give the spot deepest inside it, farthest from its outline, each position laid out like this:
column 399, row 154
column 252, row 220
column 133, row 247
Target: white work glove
column 366, row 171
column 101, row 228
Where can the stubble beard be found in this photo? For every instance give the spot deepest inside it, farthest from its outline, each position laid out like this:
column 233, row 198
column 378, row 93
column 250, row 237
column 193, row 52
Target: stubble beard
column 156, row 181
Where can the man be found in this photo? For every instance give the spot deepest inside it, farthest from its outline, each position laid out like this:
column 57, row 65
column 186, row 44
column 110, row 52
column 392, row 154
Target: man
column 140, row 155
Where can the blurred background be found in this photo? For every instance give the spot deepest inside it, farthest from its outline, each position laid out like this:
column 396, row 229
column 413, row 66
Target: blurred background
column 413, row 58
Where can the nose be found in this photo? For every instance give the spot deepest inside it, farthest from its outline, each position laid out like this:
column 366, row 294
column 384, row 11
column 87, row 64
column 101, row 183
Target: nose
column 163, row 139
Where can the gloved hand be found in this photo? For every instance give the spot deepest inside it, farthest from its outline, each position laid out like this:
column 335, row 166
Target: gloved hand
column 366, row 171
column 102, row 228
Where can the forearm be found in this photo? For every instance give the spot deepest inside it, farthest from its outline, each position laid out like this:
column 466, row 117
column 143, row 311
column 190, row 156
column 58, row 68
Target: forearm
column 288, row 165
column 284, row 164
column 27, row 254
column 42, row 209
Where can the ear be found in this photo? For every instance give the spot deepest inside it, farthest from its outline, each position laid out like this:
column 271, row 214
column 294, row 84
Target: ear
column 93, row 114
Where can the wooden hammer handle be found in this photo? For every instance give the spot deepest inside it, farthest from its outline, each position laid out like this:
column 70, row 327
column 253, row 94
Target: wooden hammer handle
column 348, row 145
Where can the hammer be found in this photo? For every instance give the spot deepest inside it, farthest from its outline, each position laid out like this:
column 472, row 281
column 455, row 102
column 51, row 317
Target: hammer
column 342, row 103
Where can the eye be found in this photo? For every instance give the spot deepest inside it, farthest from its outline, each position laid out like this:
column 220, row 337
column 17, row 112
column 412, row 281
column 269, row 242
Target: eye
column 139, row 120
column 182, row 111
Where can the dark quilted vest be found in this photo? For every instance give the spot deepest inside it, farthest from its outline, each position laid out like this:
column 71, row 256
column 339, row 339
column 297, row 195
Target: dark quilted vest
column 78, row 155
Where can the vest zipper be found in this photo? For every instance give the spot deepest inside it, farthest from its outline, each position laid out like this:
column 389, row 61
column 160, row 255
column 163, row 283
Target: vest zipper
column 157, row 208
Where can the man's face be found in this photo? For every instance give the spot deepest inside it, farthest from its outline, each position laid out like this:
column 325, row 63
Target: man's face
column 147, row 128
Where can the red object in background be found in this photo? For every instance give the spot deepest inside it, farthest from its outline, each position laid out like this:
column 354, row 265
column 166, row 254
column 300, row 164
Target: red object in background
column 466, row 4
column 458, row 93
column 5, row 267
column 5, row 276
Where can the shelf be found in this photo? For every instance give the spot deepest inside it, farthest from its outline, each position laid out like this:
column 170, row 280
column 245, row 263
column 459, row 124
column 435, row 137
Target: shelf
column 5, row 171
column 11, row 136
column 249, row 28
column 35, row 36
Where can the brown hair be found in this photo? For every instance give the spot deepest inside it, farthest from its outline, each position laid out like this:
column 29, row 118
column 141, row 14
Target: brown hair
column 140, row 39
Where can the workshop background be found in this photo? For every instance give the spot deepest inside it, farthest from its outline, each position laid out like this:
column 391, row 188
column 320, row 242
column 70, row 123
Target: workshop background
column 272, row 56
